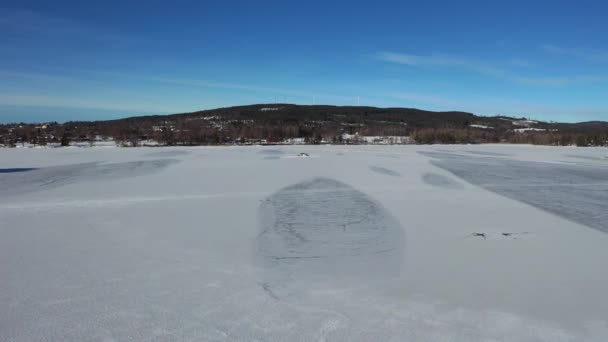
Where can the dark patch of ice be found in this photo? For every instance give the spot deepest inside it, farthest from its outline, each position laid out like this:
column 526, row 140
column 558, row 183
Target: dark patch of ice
column 392, row 156
column 442, row 155
column 324, row 234
column 271, row 152
column 167, row 154
column 491, row 154
column 385, row 171
column 272, row 157
column 15, row 170
column 586, row 157
column 441, row 181
column 56, row 176
column 575, row 192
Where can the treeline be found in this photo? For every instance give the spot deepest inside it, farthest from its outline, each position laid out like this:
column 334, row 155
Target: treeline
column 477, row 136
column 187, row 135
column 310, row 124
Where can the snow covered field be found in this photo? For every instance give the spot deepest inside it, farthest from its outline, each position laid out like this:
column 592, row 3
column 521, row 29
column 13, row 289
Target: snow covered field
column 353, row 243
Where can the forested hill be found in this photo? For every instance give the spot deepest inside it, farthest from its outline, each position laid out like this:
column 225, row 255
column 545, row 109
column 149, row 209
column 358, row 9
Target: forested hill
column 321, row 123
column 303, row 115
column 290, row 114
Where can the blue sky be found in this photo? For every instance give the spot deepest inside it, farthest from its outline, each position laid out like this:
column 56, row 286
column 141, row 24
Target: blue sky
column 85, row 60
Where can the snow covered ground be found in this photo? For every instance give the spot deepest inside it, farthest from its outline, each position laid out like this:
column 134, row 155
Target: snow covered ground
column 355, row 243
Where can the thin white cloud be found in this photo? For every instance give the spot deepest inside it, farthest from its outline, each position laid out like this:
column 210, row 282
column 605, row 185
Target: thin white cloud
column 198, row 83
column 520, row 62
column 29, row 21
column 415, row 60
column 437, row 61
column 41, row 78
column 209, row 84
column 30, row 25
column 547, row 81
column 39, row 100
column 441, row 61
column 101, row 94
column 230, row 86
column 590, row 55
column 424, row 98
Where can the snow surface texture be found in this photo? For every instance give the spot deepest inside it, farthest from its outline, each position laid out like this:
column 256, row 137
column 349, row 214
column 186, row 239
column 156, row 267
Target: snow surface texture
column 385, row 171
column 441, row 181
column 441, row 243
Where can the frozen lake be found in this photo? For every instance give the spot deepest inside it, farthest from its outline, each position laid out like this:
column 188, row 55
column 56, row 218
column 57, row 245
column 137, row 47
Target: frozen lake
column 353, row 243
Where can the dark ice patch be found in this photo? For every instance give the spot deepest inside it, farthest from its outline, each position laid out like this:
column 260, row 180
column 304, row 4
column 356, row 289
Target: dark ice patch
column 15, row 170
column 486, row 153
column 272, row 157
column 441, row 181
column 578, row 193
column 167, row 154
column 271, row 152
column 591, row 158
column 385, row 171
column 392, row 156
column 442, row 155
column 324, row 234
column 57, row 176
